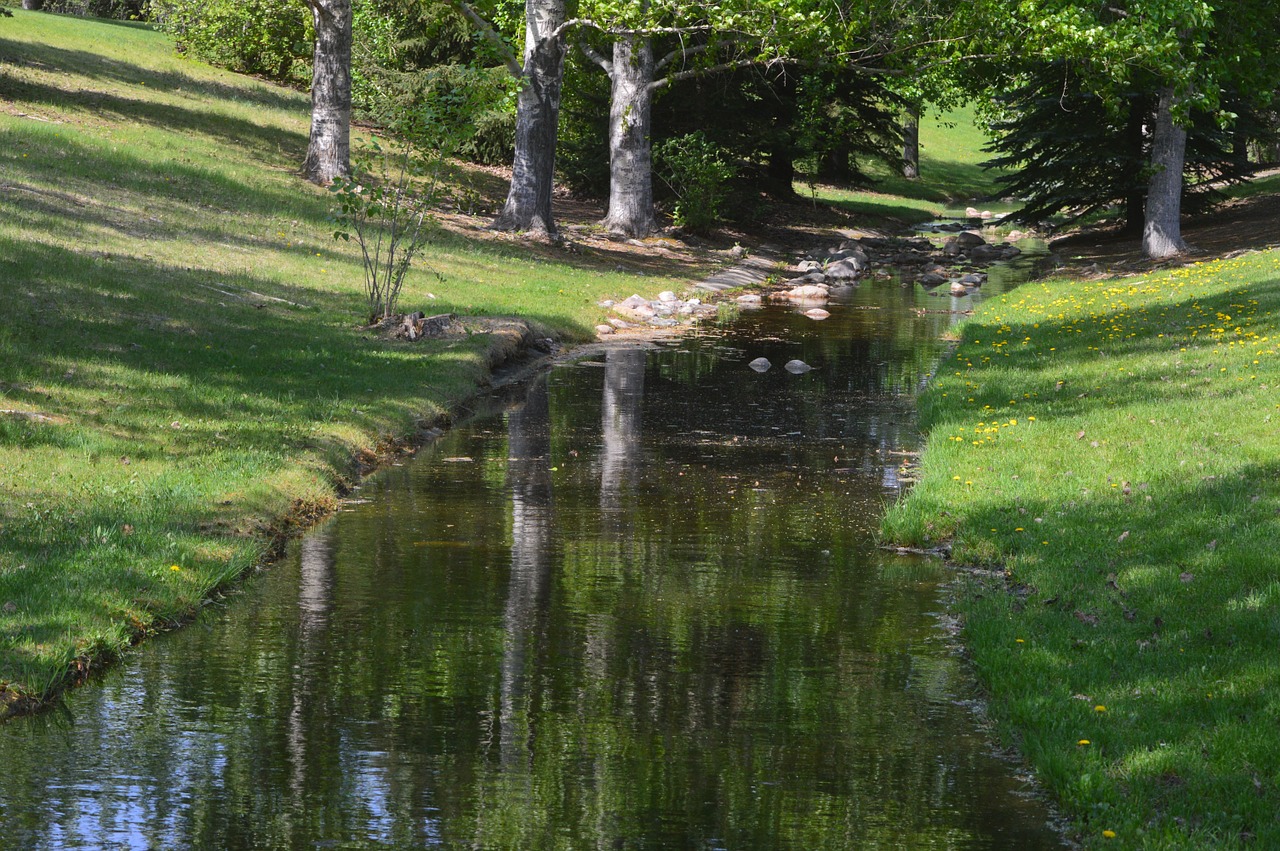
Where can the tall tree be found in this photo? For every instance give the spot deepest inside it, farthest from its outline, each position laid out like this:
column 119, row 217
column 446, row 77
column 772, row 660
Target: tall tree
column 694, row 31
column 329, row 147
column 528, row 205
column 1186, row 52
column 1065, row 150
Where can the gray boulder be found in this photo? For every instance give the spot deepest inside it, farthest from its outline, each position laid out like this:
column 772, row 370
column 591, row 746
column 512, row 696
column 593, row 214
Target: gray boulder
column 847, row 269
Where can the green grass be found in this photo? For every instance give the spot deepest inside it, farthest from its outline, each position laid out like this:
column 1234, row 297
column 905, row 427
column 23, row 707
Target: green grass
column 1109, row 453
column 178, row 316
column 951, row 177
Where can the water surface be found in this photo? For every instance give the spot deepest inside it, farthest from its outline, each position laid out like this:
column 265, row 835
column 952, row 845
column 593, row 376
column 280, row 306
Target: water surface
column 639, row 608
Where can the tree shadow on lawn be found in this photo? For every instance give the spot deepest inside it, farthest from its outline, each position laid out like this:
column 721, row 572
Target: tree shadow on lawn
column 1163, row 612
column 265, row 143
column 211, row 401
column 1037, row 371
column 175, row 194
column 96, row 66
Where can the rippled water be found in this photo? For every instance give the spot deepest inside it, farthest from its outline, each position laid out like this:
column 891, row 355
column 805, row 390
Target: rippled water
column 640, row 608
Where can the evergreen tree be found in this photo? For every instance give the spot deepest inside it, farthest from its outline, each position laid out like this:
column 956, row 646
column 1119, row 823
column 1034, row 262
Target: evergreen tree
column 1073, row 152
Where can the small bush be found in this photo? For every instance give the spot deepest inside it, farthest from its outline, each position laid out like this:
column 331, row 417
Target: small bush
column 698, row 173
column 386, row 203
column 269, row 38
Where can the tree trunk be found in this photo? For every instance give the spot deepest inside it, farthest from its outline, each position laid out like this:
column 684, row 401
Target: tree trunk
column 1162, row 228
column 528, row 206
column 630, row 146
column 780, row 173
column 329, row 150
column 911, row 143
column 1135, row 199
column 833, row 165
column 620, row 421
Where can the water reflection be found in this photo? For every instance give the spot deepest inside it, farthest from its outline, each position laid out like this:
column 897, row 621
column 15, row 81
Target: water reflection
column 529, row 481
column 641, row 609
column 620, row 426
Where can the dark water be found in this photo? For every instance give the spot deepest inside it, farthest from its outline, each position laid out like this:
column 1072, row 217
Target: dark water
column 640, row 609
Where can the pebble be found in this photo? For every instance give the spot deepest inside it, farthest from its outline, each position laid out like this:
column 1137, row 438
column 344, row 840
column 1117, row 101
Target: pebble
column 797, row 367
column 760, row 364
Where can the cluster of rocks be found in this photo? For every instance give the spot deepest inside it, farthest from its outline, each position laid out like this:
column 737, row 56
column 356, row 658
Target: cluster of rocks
column 958, row 262
column 666, row 311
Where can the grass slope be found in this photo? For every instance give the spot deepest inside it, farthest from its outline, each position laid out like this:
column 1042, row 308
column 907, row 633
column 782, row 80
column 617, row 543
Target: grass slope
column 951, row 177
column 1109, row 452
column 180, row 365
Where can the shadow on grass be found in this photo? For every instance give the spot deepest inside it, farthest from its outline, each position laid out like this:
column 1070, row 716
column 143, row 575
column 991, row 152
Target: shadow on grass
column 98, row 67
column 1171, row 628
column 212, row 400
column 265, row 143
column 1140, row 358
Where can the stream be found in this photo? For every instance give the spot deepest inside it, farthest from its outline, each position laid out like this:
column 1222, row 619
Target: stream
column 639, row 607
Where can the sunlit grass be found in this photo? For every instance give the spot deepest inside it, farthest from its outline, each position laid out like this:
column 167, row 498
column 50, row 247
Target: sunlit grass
column 181, row 363
column 951, row 177
column 1110, row 449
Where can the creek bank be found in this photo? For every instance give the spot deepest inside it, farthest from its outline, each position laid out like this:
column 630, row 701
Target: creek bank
column 516, row 349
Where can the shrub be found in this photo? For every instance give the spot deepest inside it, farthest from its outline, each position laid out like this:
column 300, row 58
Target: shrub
column 698, row 173
column 270, row 38
column 488, row 130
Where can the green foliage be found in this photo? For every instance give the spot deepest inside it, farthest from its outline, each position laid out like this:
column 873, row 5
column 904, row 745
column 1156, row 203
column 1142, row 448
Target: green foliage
column 696, row 170
column 847, row 120
column 124, row 10
column 1075, row 153
column 267, row 38
column 387, row 207
column 484, row 130
column 582, row 153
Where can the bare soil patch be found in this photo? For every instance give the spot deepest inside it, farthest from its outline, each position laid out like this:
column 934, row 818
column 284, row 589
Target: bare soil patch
column 1248, row 224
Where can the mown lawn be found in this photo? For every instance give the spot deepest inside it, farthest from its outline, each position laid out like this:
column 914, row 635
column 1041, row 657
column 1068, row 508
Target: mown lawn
column 181, row 362
column 1107, row 455
column 951, row 177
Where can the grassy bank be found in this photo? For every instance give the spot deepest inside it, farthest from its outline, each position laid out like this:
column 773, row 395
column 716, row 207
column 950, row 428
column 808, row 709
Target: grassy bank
column 1108, row 453
column 180, row 362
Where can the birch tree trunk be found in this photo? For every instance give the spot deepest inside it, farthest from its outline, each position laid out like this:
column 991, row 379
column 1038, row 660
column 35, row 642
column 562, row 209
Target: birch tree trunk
column 630, row 146
column 329, row 149
column 911, row 143
column 1162, row 227
column 528, row 206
